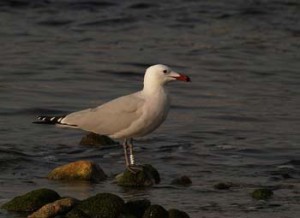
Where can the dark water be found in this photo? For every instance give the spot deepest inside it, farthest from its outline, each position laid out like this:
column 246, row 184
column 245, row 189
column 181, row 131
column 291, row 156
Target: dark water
column 238, row 121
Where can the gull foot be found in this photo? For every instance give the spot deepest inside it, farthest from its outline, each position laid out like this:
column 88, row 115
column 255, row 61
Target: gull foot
column 134, row 168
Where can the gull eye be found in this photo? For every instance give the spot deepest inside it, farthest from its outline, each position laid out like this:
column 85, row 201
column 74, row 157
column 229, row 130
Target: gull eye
column 165, row 71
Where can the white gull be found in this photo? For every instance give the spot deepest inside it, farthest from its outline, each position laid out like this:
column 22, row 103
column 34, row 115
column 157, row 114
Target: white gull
column 129, row 116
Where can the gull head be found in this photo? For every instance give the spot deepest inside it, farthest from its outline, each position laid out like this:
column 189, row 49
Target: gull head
column 161, row 74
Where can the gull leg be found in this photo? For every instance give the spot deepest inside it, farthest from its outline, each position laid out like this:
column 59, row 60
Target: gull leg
column 125, row 147
column 131, row 157
column 128, row 159
column 133, row 167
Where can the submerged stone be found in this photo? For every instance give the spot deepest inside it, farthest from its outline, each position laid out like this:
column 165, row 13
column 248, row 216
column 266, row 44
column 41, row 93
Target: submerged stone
column 103, row 205
column 31, row 201
column 182, row 181
column 80, row 170
column 59, row 207
column 156, row 211
column 174, row 213
column 262, row 194
column 96, row 140
column 223, row 185
column 76, row 213
column 136, row 208
column 146, row 177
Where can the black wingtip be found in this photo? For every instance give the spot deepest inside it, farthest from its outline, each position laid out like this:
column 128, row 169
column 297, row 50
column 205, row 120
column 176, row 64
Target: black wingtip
column 49, row 120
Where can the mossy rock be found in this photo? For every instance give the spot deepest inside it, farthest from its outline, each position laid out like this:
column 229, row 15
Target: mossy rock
column 96, row 140
column 31, row 201
column 262, row 194
column 103, row 205
column 174, row 213
column 136, row 208
column 156, row 211
column 76, row 213
column 182, row 181
column 146, row 177
column 78, row 171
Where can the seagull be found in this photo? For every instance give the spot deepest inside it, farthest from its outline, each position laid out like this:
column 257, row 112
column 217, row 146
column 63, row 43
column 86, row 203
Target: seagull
column 127, row 117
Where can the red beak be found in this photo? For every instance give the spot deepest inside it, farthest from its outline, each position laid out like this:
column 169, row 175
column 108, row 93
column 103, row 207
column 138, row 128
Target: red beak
column 183, row 77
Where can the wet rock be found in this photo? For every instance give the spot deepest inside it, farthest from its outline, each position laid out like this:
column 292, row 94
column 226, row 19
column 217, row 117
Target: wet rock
column 96, row 140
column 282, row 174
column 31, row 201
column 286, row 176
column 148, row 176
column 174, row 213
column 262, row 194
column 136, row 208
column 223, row 185
column 76, row 213
column 59, row 207
column 102, row 205
column 141, row 5
column 182, row 181
column 155, row 211
column 80, row 170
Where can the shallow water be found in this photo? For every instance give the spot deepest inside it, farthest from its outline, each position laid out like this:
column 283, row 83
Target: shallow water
column 238, row 121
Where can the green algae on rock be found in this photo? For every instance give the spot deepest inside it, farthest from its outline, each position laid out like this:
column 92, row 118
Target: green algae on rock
column 182, row 181
column 96, row 140
column 174, row 213
column 31, row 201
column 156, row 211
column 146, row 177
column 136, row 208
column 82, row 170
column 103, row 205
column 262, row 194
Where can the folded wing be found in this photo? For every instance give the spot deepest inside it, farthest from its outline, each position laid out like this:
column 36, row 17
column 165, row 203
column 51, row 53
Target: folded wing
column 109, row 118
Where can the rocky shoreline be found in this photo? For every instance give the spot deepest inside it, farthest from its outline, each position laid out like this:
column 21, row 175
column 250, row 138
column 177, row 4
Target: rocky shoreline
column 46, row 203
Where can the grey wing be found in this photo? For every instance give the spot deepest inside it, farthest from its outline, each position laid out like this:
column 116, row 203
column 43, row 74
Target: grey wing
column 109, row 118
